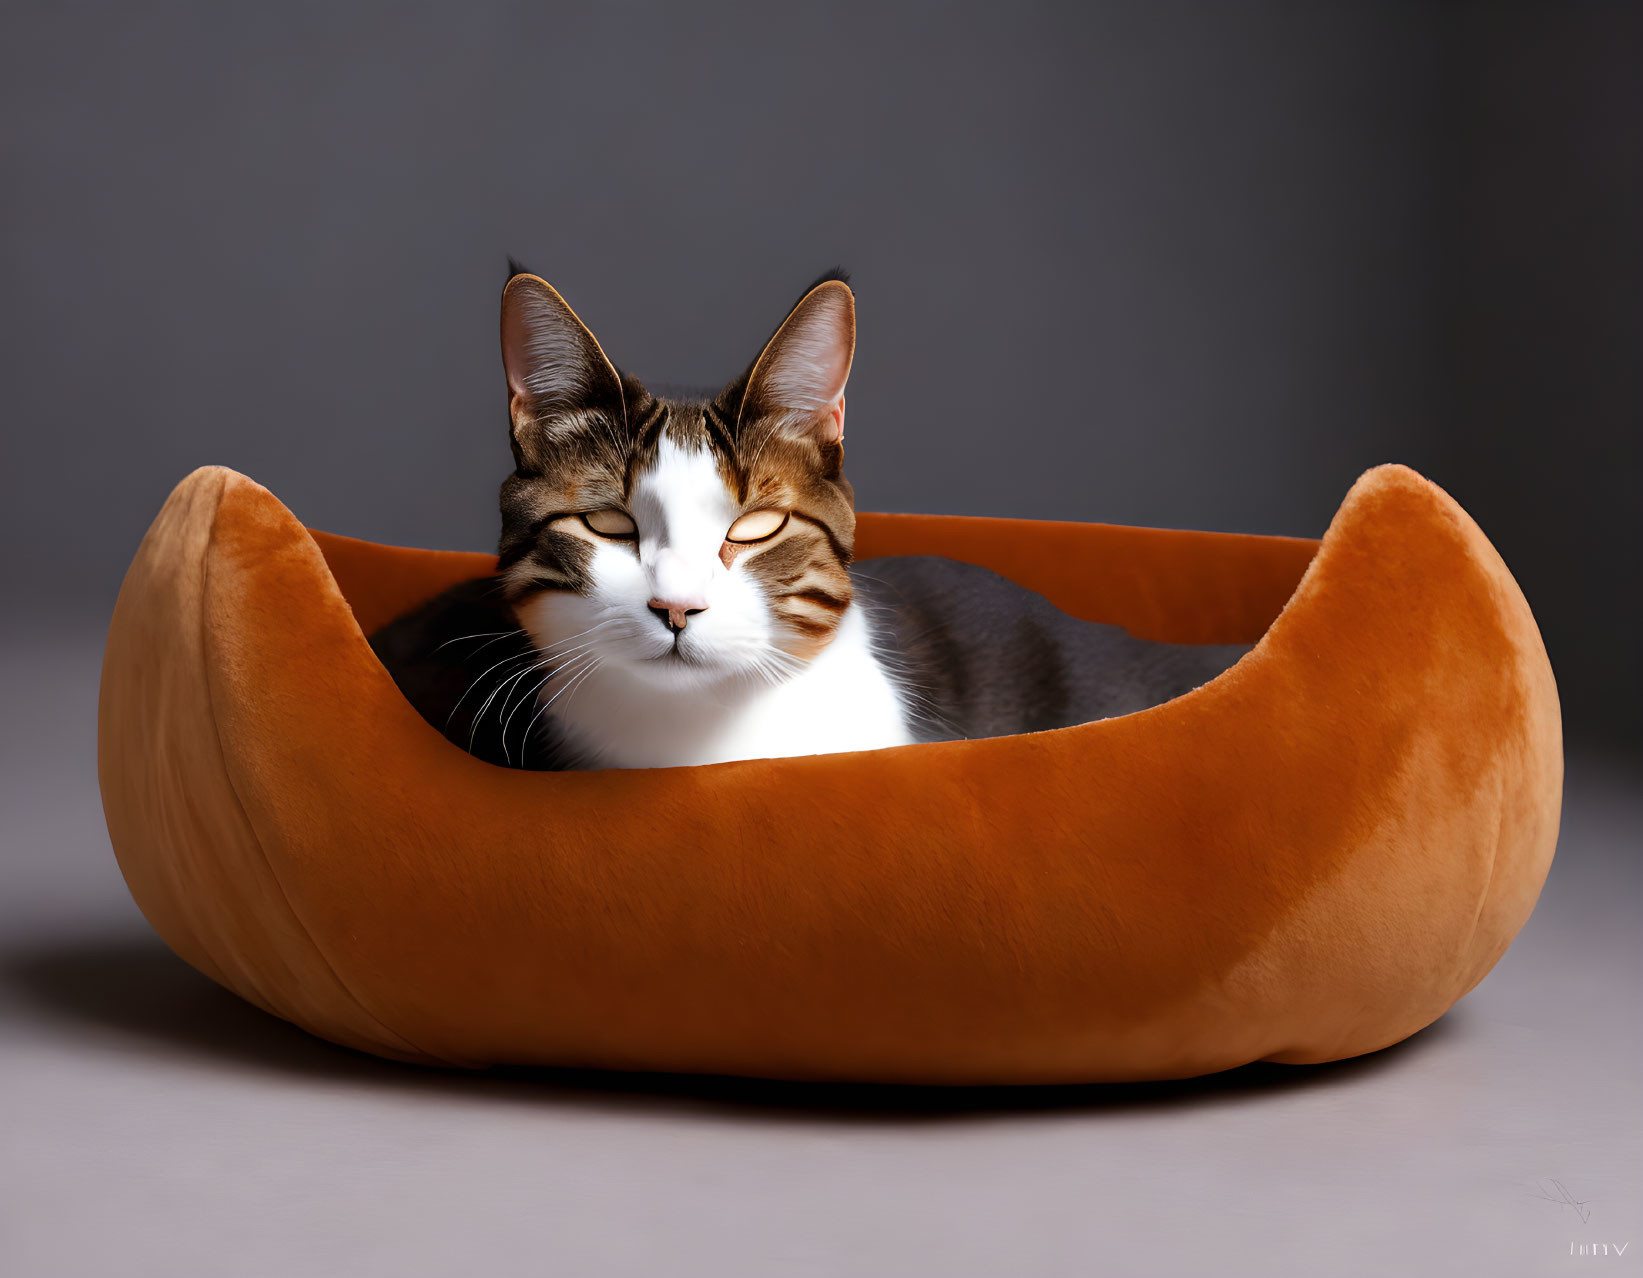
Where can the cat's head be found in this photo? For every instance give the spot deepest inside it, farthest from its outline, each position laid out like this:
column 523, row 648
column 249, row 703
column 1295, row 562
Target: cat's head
column 688, row 540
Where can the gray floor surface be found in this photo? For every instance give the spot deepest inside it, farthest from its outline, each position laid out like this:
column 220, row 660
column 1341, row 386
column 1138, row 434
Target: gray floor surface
column 151, row 1123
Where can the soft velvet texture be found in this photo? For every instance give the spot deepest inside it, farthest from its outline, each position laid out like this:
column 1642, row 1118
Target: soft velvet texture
column 1310, row 857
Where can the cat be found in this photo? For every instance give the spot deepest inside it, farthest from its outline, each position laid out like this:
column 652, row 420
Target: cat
column 675, row 584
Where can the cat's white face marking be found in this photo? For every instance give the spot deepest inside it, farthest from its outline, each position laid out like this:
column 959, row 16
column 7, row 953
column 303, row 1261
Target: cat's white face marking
column 682, row 511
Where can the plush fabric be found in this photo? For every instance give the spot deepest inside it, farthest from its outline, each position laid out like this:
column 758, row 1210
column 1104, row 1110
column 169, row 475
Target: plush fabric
column 1311, row 857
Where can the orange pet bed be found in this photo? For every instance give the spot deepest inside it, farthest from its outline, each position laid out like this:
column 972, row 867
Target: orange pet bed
column 1310, row 857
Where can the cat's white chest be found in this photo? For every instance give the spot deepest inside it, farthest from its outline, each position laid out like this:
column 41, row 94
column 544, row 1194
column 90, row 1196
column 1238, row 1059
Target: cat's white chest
column 842, row 700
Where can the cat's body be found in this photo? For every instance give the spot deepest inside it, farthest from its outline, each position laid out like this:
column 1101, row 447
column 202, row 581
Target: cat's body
column 675, row 583
column 981, row 656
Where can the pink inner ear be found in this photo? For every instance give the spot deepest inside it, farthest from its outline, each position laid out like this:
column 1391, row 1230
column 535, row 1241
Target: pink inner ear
column 838, row 421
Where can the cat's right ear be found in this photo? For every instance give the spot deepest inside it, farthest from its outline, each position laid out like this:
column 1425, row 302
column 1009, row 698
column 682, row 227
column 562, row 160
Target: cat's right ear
column 556, row 370
column 799, row 378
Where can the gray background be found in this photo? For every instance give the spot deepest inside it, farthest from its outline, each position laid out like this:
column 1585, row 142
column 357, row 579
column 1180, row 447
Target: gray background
column 1182, row 265
column 1177, row 264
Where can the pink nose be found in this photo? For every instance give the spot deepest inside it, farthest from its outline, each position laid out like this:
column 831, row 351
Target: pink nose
column 675, row 613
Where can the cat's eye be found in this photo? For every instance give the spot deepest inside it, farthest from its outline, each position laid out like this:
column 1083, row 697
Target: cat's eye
column 757, row 525
column 610, row 523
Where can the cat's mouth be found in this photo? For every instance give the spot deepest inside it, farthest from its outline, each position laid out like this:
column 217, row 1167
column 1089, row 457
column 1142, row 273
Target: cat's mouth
column 700, row 664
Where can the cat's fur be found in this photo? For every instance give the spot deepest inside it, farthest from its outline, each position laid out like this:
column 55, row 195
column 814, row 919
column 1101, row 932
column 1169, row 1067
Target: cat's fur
column 675, row 583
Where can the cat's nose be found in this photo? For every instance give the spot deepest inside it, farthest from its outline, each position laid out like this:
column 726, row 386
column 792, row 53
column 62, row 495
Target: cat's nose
column 675, row 614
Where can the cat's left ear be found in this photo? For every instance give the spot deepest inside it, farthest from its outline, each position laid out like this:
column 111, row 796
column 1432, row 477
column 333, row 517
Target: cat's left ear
column 799, row 378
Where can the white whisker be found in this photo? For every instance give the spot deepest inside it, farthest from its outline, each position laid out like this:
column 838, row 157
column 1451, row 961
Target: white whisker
column 552, row 674
column 498, row 634
column 518, row 656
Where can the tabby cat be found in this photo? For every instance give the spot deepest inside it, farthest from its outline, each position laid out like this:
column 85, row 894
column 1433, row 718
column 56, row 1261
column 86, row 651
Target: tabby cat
column 675, row 582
